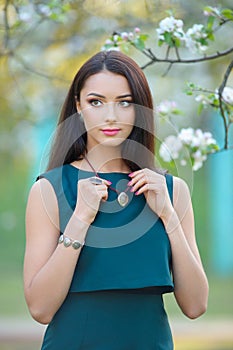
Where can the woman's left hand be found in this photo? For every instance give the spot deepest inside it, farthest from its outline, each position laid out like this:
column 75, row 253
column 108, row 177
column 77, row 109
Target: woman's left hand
column 154, row 187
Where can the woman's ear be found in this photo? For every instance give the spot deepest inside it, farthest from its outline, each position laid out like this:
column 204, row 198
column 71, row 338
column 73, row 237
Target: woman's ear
column 78, row 107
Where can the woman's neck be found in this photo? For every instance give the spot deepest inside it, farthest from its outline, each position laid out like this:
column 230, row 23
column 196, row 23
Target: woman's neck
column 101, row 163
column 104, row 159
column 105, row 164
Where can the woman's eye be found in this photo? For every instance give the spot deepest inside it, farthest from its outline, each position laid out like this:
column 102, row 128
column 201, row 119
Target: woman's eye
column 125, row 103
column 95, row 103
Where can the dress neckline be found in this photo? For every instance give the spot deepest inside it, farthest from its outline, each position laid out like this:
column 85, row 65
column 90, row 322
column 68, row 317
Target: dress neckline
column 99, row 172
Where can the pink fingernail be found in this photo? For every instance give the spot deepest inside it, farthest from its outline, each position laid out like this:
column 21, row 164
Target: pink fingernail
column 131, row 174
column 136, row 193
column 129, row 183
column 109, row 182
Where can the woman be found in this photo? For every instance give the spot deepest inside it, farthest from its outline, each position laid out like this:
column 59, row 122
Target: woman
column 104, row 229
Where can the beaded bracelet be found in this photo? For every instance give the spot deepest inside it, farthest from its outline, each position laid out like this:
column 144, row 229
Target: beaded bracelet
column 67, row 242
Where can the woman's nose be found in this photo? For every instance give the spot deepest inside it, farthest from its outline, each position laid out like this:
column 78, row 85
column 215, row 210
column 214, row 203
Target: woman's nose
column 111, row 113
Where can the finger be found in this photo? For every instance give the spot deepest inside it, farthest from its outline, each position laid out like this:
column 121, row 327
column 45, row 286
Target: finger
column 103, row 193
column 106, row 182
column 144, row 171
column 147, row 187
column 135, row 173
column 96, row 180
column 138, row 184
column 136, row 178
column 105, row 197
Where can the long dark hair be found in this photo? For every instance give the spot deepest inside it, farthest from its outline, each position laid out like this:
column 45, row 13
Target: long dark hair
column 71, row 137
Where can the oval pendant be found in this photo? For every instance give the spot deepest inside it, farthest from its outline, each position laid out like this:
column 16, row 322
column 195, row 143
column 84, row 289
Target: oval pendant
column 123, row 199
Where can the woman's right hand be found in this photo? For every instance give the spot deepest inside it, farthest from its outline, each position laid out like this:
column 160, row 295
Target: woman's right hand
column 89, row 198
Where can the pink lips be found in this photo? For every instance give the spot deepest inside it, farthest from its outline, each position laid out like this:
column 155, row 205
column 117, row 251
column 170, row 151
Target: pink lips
column 110, row 132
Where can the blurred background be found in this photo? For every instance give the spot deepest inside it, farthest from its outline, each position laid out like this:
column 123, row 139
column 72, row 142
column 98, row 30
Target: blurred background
column 39, row 55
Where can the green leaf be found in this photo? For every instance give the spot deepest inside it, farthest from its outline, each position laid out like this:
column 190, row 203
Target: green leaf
column 176, row 42
column 208, row 9
column 200, row 108
column 168, row 39
column 190, row 87
column 210, row 22
column 125, row 47
column 17, row 25
column 169, row 12
column 143, row 37
column 227, row 13
column 139, row 44
column 160, row 42
column 55, row 17
column 177, row 112
column 211, row 36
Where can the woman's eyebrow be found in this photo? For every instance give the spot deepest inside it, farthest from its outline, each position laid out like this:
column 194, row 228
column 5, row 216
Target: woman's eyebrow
column 123, row 96
column 102, row 96
column 95, row 94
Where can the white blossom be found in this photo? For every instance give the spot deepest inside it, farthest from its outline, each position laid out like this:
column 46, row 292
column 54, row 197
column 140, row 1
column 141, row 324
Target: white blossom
column 124, row 35
column 170, row 25
column 197, row 165
column 165, row 153
column 202, row 98
column 199, row 158
column 193, row 38
column 183, row 162
column 26, row 13
column 109, row 42
column 186, row 136
column 115, row 37
column 113, row 48
column 196, row 142
column 170, row 148
column 131, row 36
column 166, row 107
column 137, row 30
column 227, row 94
column 197, row 31
column 25, row 16
column 44, row 10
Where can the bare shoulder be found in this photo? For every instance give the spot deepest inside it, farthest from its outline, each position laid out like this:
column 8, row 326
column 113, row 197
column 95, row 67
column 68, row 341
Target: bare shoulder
column 180, row 188
column 181, row 197
column 42, row 200
column 184, row 209
column 41, row 188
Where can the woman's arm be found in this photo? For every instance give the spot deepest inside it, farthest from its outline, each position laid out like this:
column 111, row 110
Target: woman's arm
column 191, row 285
column 48, row 267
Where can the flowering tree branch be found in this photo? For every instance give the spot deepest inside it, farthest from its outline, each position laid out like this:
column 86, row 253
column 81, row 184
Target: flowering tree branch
column 179, row 60
column 227, row 123
column 196, row 39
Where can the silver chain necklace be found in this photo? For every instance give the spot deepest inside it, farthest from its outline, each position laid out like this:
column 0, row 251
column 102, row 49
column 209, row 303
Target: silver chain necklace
column 122, row 196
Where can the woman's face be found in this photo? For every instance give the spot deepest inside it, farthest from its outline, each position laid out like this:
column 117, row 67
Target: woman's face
column 107, row 108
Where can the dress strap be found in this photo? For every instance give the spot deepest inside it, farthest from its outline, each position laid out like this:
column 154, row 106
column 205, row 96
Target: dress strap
column 169, row 180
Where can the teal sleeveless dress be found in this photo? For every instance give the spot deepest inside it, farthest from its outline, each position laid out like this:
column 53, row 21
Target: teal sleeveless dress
column 115, row 299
